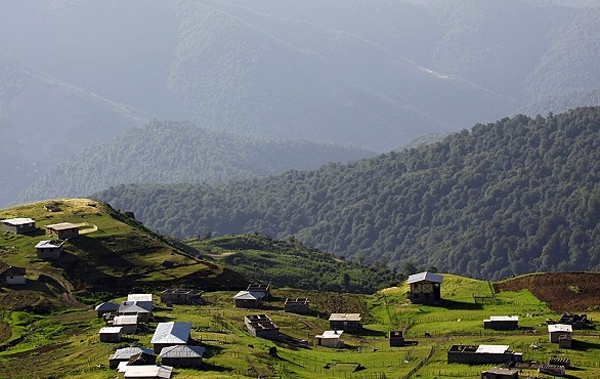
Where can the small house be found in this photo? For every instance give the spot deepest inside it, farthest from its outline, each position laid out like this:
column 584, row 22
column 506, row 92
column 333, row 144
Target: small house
column 181, row 296
column 128, row 323
column 19, row 225
column 558, row 330
column 330, row 338
column 123, row 355
column 265, row 289
column 50, row 249
column 110, row 334
column 575, row 320
column 247, row 299
column 11, row 275
column 170, row 334
column 298, row 305
column 106, row 307
column 500, row 373
column 261, row 326
column 62, row 231
column 147, row 372
column 349, row 322
column 182, row 356
column 134, row 308
column 425, row 288
column 396, row 338
column 501, row 323
column 482, row 354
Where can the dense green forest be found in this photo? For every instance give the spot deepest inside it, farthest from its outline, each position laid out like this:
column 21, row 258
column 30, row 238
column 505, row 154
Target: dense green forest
column 291, row 264
column 515, row 196
column 172, row 152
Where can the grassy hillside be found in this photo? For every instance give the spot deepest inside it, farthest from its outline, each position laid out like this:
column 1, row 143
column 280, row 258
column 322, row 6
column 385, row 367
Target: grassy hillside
column 505, row 198
column 290, row 264
column 66, row 345
column 114, row 253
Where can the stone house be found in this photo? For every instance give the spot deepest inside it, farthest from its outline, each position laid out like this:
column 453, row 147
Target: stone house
column 298, row 305
column 62, row 231
column 110, row 334
column 19, row 225
column 261, row 326
column 50, row 249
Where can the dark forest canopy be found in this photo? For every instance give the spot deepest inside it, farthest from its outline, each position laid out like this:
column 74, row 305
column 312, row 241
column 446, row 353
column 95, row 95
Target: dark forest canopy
column 515, row 196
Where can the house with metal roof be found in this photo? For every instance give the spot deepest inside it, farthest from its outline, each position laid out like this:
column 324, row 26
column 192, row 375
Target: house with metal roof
column 106, row 307
column 128, row 323
column 182, row 356
column 110, row 334
column 171, row 333
column 49, row 249
column 265, row 289
column 123, row 355
column 330, row 338
column 501, row 323
column 349, row 322
column 247, row 299
column 135, row 308
column 62, row 231
column 12, row 275
column 425, row 288
column 19, row 225
column 561, row 334
column 482, row 354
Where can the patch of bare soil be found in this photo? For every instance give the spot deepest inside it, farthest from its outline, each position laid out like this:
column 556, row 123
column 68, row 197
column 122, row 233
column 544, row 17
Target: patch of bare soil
column 563, row 292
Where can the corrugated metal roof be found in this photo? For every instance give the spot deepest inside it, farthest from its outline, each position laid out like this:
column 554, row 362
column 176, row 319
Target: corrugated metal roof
column 345, row 317
column 18, row 221
column 49, row 244
column 110, row 330
column 333, row 334
column 172, row 332
column 128, row 307
column 491, row 349
column 504, row 318
column 182, row 351
column 150, row 371
column 560, row 328
column 62, row 226
column 107, row 306
column 127, row 352
column 247, row 295
column 125, row 320
column 425, row 276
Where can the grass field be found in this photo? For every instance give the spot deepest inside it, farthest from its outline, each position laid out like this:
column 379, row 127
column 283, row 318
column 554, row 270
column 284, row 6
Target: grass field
column 66, row 344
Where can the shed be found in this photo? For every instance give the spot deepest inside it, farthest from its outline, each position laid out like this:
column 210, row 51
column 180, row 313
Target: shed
column 18, row 225
column 123, row 355
column 128, row 323
column 147, row 372
column 246, row 299
column 330, row 338
column 12, row 275
column 106, row 307
column 171, row 333
column 558, row 330
column 425, row 288
column 349, row 322
column 261, row 326
column 298, row 305
column 182, row 356
column 181, row 296
column 62, row 231
column 501, row 323
column 396, row 338
column 482, row 354
column 500, row 373
column 110, row 334
column 49, row 249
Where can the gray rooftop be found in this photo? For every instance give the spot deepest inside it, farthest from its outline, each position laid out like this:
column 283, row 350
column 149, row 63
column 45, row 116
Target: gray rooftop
column 182, row 351
column 172, row 332
column 425, row 276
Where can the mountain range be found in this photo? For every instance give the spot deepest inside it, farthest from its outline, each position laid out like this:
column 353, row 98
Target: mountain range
column 515, row 196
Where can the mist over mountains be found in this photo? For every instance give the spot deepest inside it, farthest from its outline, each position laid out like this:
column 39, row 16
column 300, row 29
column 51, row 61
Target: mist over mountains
column 376, row 74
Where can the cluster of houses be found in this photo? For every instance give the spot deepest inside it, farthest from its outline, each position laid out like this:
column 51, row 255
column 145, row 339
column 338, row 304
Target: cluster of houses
column 172, row 344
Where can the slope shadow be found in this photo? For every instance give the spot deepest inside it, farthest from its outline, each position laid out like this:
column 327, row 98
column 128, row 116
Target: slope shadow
column 460, row 305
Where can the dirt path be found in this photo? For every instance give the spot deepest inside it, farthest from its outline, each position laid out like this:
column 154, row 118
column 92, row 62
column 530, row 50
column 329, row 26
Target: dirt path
column 65, row 286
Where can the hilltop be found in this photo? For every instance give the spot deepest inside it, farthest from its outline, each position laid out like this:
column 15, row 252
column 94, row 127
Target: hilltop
column 505, row 198
column 113, row 254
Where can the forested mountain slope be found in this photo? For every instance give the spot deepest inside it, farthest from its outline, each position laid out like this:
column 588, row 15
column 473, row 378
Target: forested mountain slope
column 171, row 152
column 514, row 196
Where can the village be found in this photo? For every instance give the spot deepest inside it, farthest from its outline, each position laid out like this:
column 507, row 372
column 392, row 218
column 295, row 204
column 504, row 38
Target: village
column 145, row 339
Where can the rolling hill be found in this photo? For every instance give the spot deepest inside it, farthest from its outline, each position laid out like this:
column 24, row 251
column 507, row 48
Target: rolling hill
column 506, row 198
column 170, row 152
